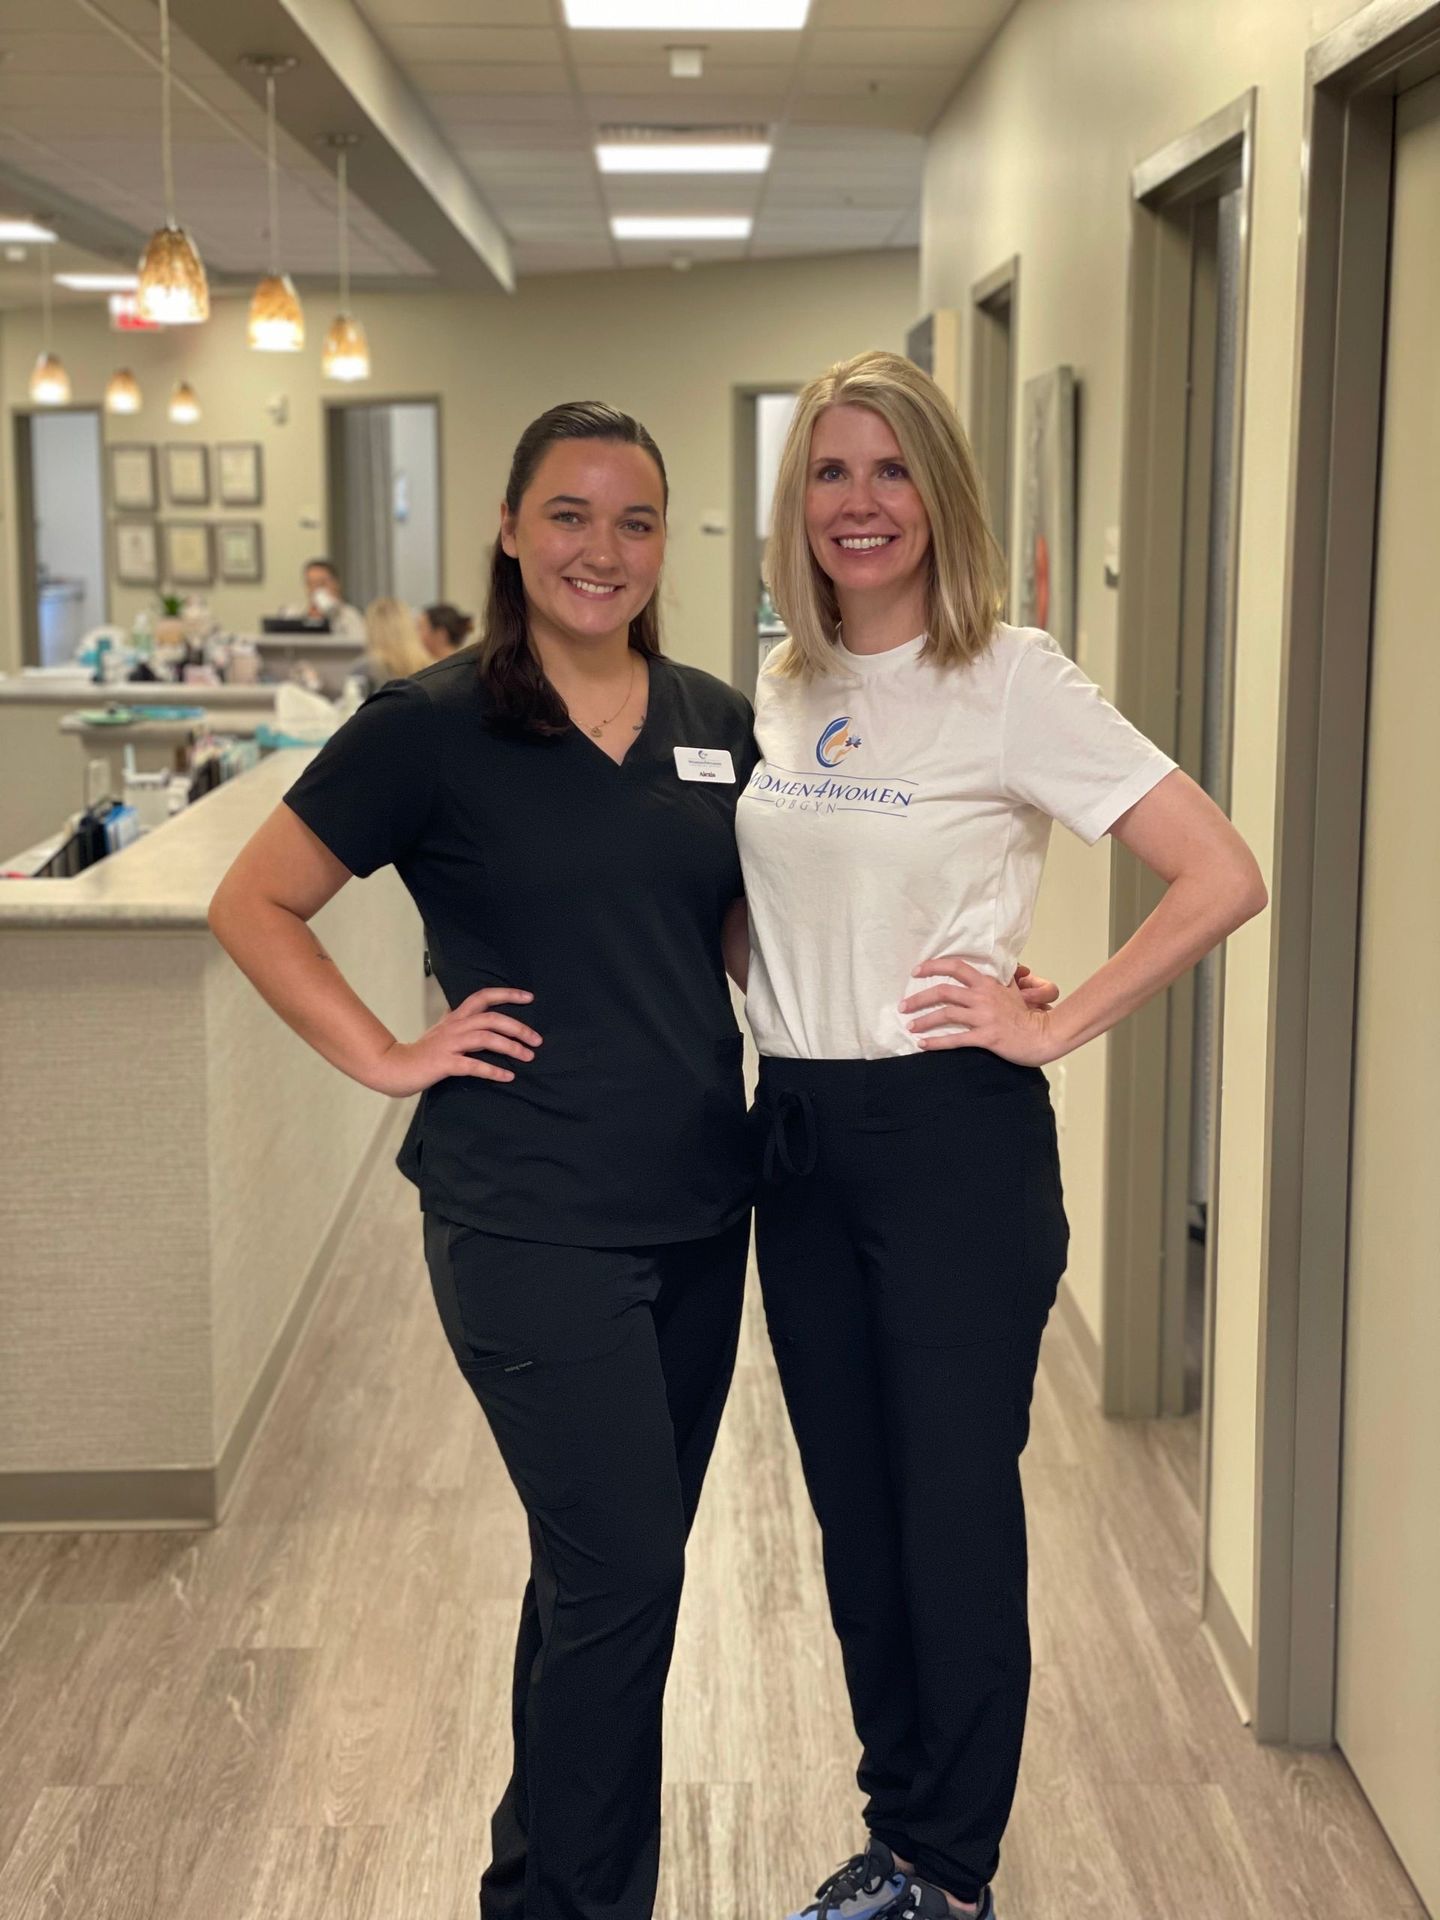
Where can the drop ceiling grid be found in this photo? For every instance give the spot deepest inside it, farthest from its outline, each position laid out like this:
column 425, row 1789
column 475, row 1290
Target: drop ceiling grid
column 520, row 97
column 72, row 95
column 520, row 94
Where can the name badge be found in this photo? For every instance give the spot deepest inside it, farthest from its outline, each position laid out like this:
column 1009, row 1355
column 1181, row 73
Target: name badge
column 704, row 763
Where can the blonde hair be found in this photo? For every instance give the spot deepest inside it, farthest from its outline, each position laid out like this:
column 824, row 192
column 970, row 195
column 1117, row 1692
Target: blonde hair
column 393, row 647
column 965, row 590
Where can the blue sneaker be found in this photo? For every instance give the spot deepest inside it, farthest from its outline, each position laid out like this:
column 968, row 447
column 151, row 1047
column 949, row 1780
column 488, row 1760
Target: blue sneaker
column 919, row 1900
column 867, row 1884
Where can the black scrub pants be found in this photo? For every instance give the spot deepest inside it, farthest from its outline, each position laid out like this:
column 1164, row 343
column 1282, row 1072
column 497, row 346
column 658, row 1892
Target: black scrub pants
column 911, row 1234
column 603, row 1374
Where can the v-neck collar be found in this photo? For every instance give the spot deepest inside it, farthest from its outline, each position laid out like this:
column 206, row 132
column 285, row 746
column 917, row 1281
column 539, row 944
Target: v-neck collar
column 636, row 751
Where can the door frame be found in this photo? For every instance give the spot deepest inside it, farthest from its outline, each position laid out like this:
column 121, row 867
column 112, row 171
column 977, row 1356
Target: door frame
column 998, row 289
column 331, row 406
column 745, row 547
column 1165, row 189
column 26, row 559
column 1352, row 78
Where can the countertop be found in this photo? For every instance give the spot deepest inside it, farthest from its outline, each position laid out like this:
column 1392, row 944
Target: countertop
column 81, row 693
column 168, row 877
column 234, row 720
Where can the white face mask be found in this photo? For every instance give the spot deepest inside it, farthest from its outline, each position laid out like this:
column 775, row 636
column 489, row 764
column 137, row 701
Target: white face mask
column 324, row 599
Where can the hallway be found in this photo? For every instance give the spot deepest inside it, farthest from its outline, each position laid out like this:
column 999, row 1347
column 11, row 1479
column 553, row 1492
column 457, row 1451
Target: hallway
column 299, row 1716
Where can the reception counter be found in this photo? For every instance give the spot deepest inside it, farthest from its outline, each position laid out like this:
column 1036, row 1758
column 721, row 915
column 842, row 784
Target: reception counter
column 179, row 1168
column 42, row 769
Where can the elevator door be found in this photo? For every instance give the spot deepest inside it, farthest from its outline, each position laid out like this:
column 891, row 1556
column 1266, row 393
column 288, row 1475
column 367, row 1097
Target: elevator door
column 1388, row 1673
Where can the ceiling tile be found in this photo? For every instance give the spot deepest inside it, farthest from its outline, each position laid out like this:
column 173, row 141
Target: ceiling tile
column 981, row 16
column 459, row 77
column 417, row 46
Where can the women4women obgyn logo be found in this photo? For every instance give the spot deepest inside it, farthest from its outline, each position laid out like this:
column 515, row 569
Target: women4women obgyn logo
column 836, row 741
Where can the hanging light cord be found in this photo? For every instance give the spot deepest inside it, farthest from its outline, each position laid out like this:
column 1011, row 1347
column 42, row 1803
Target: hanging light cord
column 165, row 160
column 344, row 236
column 274, row 176
column 45, row 294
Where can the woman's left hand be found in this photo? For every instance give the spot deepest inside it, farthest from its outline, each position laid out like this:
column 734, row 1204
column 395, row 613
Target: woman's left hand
column 1003, row 1020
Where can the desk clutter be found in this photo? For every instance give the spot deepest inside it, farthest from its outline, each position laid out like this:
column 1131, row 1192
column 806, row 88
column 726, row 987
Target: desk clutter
column 109, row 821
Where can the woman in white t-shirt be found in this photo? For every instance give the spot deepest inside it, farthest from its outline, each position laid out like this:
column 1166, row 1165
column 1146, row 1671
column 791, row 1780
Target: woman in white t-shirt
column 910, row 1228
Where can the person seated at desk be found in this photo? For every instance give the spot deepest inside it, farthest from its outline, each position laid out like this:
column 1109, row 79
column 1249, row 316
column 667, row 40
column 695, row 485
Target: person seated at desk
column 325, row 600
column 392, row 646
column 443, row 629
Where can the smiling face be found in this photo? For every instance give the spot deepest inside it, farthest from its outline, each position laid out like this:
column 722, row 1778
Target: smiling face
column 867, row 526
column 589, row 536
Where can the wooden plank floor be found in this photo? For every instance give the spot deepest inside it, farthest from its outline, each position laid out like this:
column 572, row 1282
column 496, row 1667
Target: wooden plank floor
column 301, row 1716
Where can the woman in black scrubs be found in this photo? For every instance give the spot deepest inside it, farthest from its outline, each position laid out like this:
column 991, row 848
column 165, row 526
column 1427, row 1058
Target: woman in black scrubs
column 562, row 812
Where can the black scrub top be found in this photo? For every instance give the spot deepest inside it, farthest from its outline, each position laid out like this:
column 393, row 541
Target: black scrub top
column 600, row 888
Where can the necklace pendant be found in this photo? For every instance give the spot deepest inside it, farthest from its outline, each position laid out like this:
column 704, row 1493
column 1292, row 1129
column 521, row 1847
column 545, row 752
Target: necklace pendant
column 595, row 732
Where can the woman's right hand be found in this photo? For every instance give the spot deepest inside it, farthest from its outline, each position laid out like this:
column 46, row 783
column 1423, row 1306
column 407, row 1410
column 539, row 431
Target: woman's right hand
column 447, row 1050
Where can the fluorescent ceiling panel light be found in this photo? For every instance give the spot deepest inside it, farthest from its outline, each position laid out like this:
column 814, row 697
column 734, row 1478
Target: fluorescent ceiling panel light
column 677, row 157
column 23, row 230
column 646, row 226
column 688, row 16
column 98, row 282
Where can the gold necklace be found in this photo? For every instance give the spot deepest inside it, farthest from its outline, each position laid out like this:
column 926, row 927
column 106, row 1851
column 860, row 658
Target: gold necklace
column 595, row 732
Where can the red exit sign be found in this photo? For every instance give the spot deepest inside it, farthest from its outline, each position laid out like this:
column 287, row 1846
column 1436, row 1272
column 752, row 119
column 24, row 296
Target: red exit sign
column 126, row 317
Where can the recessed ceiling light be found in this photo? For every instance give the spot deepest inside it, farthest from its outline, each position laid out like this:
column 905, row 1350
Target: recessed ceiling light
column 647, row 226
column 688, row 16
column 98, row 282
column 678, row 157
column 23, row 230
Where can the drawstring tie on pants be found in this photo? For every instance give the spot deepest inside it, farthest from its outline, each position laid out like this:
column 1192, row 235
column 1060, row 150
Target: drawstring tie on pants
column 790, row 1104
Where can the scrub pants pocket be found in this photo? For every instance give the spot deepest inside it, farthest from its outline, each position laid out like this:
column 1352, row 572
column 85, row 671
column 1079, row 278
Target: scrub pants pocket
column 975, row 1251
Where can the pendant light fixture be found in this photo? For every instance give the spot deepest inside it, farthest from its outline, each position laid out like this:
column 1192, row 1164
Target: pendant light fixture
column 122, row 392
column 173, row 289
column 184, row 406
column 277, row 322
column 346, row 352
column 49, row 382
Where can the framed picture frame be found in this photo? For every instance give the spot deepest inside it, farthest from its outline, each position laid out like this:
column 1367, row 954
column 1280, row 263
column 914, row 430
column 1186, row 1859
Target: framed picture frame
column 187, row 474
column 241, row 473
column 189, row 559
column 1048, row 505
column 137, row 553
column 239, row 552
column 131, row 467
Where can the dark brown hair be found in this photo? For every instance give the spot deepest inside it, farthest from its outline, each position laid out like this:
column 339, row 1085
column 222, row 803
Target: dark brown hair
column 456, row 626
column 521, row 699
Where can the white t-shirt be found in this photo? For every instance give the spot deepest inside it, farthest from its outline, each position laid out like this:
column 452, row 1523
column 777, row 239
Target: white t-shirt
column 901, row 811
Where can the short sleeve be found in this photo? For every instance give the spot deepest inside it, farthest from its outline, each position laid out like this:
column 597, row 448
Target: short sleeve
column 1067, row 751
column 369, row 791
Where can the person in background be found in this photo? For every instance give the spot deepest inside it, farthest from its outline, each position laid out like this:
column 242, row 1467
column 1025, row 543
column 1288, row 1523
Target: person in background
column 392, row 646
column 444, row 629
column 325, row 600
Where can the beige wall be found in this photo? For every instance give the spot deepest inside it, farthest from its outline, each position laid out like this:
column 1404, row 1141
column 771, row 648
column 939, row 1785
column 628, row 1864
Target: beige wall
column 1033, row 157
column 668, row 346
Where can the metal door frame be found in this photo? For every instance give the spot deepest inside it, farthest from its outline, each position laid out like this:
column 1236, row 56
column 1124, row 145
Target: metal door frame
column 1352, row 78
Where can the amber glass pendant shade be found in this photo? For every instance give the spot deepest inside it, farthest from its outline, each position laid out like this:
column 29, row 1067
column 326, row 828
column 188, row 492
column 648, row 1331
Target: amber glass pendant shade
column 173, row 288
column 346, row 353
column 277, row 320
column 184, row 406
column 49, row 382
column 122, row 392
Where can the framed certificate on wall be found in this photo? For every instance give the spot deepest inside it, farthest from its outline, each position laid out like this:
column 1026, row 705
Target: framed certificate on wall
column 188, row 559
column 241, row 478
column 187, row 475
column 240, row 554
column 132, row 477
column 137, row 553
